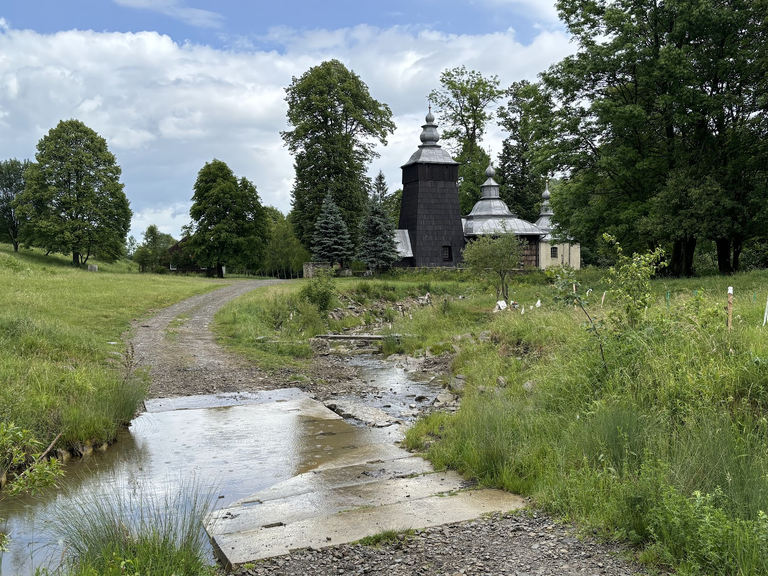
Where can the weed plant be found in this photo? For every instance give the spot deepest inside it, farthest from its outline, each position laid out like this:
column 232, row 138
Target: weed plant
column 135, row 532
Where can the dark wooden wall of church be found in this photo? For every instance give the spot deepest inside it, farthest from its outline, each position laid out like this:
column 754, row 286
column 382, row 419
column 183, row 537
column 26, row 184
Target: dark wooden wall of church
column 431, row 214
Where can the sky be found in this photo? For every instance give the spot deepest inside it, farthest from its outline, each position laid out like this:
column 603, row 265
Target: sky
column 173, row 84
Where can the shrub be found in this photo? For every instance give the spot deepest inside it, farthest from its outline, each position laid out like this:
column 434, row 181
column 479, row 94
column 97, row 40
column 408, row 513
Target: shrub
column 320, row 291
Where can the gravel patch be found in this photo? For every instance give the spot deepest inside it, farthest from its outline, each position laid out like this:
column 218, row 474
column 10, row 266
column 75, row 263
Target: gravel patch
column 512, row 544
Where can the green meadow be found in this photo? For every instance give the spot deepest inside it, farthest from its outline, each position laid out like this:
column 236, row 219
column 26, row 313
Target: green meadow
column 64, row 365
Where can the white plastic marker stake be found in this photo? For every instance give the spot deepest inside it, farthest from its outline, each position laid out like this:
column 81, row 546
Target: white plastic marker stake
column 730, row 308
column 765, row 317
column 603, row 299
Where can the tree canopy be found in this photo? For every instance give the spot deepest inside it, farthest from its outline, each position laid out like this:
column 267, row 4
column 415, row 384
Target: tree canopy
column 377, row 246
column 12, row 184
column 229, row 225
column 152, row 254
column 284, row 256
column 659, row 124
column 336, row 125
column 495, row 257
column 73, row 201
column 465, row 104
column 521, row 182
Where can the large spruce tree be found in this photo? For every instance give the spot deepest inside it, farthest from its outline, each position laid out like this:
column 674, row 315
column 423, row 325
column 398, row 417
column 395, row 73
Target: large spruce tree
column 336, row 124
column 331, row 241
column 377, row 246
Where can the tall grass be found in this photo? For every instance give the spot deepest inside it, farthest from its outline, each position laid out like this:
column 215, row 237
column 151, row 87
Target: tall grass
column 135, row 531
column 666, row 448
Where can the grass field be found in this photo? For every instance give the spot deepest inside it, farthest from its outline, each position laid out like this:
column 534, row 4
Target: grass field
column 663, row 445
column 63, row 362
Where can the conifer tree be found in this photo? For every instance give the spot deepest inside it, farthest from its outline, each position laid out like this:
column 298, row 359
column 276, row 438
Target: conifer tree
column 377, row 246
column 331, row 241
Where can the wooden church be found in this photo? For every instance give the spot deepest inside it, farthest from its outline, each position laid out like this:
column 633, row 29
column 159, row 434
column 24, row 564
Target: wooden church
column 432, row 232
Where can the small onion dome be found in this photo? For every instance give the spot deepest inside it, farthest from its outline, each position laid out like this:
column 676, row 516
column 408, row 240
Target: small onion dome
column 545, row 214
column 491, row 215
column 429, row 150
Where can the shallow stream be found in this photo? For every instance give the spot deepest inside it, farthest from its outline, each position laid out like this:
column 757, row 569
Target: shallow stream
column 239, row 443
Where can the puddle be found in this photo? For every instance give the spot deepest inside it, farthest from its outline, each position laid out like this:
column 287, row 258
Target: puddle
column 240, row 449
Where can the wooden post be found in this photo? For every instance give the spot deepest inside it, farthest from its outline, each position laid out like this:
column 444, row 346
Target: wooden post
column 730, row 308
column 765, row 316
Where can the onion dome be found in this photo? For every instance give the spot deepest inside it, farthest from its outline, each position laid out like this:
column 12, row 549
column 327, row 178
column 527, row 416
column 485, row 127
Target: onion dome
column 430, row 151
column 491, row 215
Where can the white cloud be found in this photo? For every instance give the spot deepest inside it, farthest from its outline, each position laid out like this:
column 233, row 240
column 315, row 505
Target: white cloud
column 167, row 108
column 175, row 9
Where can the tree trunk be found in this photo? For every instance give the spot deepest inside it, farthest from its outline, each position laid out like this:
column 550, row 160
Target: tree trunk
column 219, row 270
column 676, row 264
column 682, row 256
column 690, row 248
column 15, row 245
column 724, row 255
column 76, row 258
column 738, row 244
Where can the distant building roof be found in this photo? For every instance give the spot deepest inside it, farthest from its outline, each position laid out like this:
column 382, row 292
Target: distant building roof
column 491, row 215
column 430, row 151
column 403, row 240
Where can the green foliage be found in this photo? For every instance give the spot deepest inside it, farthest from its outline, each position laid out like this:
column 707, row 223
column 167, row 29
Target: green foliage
column 136, row 532
column 387, row 537
column 229, row 224
column 464, row 104
column 320, row 291
column 12, row 184
column 662, row 141
column 152, row 254
column 665, row 446
column 377, row 246
column 60, row 367
column 331, row 241
column 521, row 182
column 20, row 455
column 630, row 281
column 497, row 256
column 74, row 201
column 336, row 124
column 284, row 256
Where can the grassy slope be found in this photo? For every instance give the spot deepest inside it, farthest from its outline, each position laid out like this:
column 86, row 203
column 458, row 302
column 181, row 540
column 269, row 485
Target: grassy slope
column 59, row 371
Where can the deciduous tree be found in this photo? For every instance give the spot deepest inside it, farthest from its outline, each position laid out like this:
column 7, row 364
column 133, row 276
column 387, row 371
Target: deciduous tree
column 229, row 224
column 336, row 124
column 74, row 202
column 465, row 104
column 152, row 254
column 660, row 124
column 12, row 184
column 496, row 257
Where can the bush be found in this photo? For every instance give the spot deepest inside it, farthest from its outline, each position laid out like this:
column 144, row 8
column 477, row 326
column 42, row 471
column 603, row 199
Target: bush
column 320, row 291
